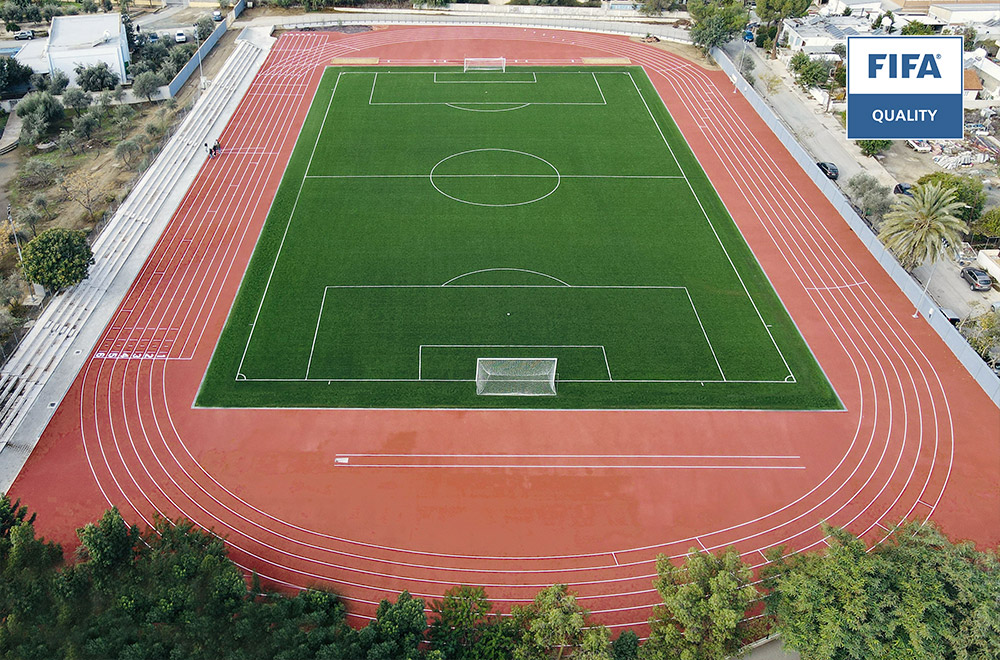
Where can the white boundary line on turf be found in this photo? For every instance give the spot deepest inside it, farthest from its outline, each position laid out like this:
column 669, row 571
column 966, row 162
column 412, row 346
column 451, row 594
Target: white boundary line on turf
column 420, row 358
column 710, row 224
column 241, row 377
column 291, row 214
column 534, row 79
column 499, row 176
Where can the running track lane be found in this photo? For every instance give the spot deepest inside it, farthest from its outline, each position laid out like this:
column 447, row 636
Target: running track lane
column 585, row 498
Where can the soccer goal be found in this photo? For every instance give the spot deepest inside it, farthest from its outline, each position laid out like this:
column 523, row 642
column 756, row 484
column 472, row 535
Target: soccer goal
column 516, row 376
column 486, row 64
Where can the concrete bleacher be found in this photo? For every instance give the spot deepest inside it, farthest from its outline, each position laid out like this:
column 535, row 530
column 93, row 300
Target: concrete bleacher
column 47, row 361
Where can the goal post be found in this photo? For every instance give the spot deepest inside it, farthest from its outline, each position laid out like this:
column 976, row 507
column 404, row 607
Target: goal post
column 516, row 376
column 485, row 64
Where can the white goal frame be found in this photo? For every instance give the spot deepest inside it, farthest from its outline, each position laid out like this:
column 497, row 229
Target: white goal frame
column 485, row 64
column 516, row 376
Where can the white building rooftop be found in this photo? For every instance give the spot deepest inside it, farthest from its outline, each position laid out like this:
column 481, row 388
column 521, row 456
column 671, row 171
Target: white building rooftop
column 85, row 31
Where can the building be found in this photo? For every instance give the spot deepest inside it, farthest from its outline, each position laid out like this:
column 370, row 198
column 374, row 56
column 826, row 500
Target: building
column 819, row 34
column 87, row 40
column 857, row 7
column 987, row 71
column 965, row 13
column 971, row 85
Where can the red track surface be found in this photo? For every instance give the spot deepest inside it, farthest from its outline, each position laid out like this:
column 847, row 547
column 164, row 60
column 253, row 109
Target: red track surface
column 585, row 498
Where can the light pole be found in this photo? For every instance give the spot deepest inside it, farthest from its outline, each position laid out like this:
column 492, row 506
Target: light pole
column 13, row 229
column 201, row 74
column 739, row 66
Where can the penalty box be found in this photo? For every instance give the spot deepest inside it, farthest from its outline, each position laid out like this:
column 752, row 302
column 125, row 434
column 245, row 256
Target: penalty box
column 437, row 333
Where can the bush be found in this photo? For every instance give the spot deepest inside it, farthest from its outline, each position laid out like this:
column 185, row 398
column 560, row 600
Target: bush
column 41, row 102
column 873, row 147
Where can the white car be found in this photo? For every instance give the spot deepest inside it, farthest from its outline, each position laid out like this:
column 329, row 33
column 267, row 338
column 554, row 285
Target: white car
column 180, row 37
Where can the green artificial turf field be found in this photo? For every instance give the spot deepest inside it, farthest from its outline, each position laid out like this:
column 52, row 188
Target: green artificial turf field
column 429, row 218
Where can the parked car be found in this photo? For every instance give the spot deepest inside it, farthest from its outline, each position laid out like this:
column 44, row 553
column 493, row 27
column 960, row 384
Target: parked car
column 903, row 189
column 180, row 37
column 920, row 146
column 217, row 15
column 24, row 34
column 830, row 170
column 979, row 280
column 153, row 37
column 952, row 317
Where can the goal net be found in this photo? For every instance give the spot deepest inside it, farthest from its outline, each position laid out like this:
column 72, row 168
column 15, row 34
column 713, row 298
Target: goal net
column 516, row 376
column 485, row 64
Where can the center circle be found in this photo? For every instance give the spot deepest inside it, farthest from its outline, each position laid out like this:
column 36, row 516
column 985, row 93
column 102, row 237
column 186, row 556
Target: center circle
column 495, row 177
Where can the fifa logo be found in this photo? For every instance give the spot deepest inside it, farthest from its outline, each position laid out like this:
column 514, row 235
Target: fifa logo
column 902, row 65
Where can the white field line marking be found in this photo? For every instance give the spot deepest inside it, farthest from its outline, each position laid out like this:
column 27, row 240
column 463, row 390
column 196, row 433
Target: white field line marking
column 494, row 176
column 420, row 353
column 705, row 213
column 288, row 224
column 776, row 457
column 606, row 363
column 705, row 334
column 472, row 380
column 534, row 79
column 565, row 466
column 319, row 318
column 372, row 96
column 603, row 100
column 457, row 106
column 491, row 270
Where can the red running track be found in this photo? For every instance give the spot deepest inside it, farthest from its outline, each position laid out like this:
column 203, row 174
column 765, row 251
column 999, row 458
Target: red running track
column 511, row 500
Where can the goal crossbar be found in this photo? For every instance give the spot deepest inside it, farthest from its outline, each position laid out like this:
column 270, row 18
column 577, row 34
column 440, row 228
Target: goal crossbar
column 516, row 376
column 485, row 64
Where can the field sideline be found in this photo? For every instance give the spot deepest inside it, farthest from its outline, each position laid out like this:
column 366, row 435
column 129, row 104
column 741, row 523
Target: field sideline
column 371, row 502
column 430, row 217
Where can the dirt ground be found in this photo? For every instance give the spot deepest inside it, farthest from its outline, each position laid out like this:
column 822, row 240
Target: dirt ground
column 684, row 50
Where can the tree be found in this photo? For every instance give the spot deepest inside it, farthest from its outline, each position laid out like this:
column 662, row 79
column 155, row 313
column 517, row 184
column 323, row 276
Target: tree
column 204, row 27
column 461, row 616
column 982, row 331
column 13, row 74
column 76, row 98
column 813, row 74
column 37, row 172
column 396, row 632
column 110, row 545
column 773, row 12
column 128, row 151
column 122, row 117
column 96, row 77
column 798, row 61
column 82, row 189
column 969, row 38
column 626, row 647
column 85, row 125
column 988, row 223
column 717, row 22
column 869, row 195
column 873, row 147
column 704, row 604
column 968, row 191
column 57, row 259
column 147, row 84
column 918, row 227
column 657, row 7
column 34, row 128
column 41, row 203
column 58, row 82
column 556, row 623
column 916, row 28
column 915, row 595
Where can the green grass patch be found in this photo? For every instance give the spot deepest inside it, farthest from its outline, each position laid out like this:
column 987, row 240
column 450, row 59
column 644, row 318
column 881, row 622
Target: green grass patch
column 428, row 218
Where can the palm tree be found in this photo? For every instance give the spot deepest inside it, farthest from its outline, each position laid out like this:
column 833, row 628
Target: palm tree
column 918, row 228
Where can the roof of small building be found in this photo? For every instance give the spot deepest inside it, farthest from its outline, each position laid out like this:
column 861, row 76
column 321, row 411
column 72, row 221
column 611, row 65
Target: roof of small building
column 836, row 27
column 74, row 32
column 972, row 81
